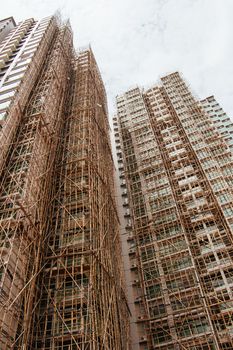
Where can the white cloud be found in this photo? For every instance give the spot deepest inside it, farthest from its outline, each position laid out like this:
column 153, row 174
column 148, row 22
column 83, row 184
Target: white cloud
column 136, row 41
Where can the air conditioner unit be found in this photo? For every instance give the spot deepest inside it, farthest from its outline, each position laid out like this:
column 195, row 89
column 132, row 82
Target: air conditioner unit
column 144, row 338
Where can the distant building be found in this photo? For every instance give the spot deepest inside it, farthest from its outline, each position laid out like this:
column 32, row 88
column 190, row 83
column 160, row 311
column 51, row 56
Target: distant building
column 220, row 119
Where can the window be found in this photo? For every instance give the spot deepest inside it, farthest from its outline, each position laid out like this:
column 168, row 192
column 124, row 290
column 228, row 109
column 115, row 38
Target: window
column 2, row 115
column 162, row 335
column 192, row 327
column 150, row 271
column 228, row 212
column 4, row 105
column 6, row 95
column 153, row 291
column 10, row 85
column 171, row 266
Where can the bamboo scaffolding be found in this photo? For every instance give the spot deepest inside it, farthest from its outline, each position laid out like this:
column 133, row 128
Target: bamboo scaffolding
column 82, row 300
column 61, row 279
column 181, row 241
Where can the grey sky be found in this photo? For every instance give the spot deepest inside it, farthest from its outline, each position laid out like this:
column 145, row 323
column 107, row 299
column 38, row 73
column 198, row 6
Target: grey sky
column 137, row 41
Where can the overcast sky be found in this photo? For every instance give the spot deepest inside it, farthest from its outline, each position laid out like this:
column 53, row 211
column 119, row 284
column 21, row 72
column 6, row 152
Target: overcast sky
column 137, row 41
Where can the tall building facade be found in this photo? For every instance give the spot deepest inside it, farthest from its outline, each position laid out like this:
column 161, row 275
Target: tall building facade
column 175, row 170
column 61, row 283
column 220, row 119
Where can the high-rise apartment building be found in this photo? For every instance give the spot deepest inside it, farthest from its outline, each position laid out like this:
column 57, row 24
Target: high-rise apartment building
column 221, row 121
column 61, row 284
column 175, row 170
